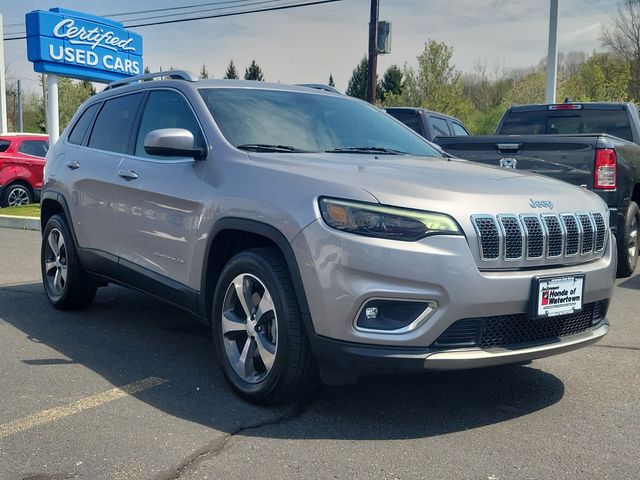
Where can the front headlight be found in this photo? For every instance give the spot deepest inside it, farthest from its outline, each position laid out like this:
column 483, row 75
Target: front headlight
column 375, row 220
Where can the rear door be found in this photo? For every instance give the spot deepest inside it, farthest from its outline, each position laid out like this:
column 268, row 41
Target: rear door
column 439, row 126
column 90, row 168
column 160, row 199
column 32, row 153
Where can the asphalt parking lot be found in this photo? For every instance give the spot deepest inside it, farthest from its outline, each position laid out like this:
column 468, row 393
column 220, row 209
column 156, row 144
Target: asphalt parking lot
column 128, row 389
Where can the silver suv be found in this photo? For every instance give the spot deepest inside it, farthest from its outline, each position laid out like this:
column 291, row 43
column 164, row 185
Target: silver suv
column 319, row 237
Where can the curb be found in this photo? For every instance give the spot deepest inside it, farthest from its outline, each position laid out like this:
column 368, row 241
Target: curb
column 20, row 223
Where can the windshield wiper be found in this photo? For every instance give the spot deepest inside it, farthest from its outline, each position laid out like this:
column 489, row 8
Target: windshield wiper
column 386, row 151
column 265, row 147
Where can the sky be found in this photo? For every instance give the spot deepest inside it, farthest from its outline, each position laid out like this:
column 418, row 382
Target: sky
column 305, row 45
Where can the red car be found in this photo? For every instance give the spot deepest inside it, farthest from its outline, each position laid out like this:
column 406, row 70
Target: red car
column 21, row 164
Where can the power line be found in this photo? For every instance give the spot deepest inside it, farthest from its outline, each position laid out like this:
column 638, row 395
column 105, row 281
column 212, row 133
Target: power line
column 190, row 19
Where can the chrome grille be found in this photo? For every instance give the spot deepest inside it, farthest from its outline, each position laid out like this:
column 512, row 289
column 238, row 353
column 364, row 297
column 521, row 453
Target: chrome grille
column 510, row 237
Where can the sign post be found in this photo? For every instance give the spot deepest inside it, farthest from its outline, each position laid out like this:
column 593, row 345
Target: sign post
column 82, row 46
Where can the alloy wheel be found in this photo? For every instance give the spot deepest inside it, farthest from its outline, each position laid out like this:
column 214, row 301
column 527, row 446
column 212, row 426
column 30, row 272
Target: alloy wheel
column 633, row 239
column 249, row 328
column 18, row 196
column 55, row 259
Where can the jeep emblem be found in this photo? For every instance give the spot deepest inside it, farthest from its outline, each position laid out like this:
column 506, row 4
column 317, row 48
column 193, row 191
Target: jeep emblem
column 508, row 162
column 541, row 204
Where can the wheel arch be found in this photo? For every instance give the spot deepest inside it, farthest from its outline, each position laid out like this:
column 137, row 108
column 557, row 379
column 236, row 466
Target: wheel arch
column 51, row 204
column 233, row 235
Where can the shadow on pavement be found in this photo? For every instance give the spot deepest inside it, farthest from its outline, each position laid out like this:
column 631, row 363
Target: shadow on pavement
column 632, row 283
column 126, row 336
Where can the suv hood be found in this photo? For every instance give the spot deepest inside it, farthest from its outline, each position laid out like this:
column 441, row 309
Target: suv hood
column 453, row 186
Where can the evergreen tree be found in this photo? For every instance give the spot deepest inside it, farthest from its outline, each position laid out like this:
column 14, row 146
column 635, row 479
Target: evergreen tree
column 331, row 82
column 254, row 72
column 231, row 73
column 392, row 82
column 357, row 86
column 203, row 72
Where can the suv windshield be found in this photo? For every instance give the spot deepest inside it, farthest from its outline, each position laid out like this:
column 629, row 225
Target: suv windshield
column 284, row 121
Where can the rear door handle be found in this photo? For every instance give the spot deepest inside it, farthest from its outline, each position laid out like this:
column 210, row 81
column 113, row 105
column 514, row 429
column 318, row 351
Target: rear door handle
column 73, row 165
column 128, row 174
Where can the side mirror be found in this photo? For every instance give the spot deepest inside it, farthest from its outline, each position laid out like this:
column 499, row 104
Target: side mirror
column 173, row 142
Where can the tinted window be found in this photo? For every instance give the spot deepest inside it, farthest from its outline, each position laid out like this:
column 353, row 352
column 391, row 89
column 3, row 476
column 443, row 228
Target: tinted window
column 114, row 124
column 410, row 119
column 82, row 125
column 166, row 109
column 458, row 129
column 613, row 122
column 4, row 144
column 36, row 148
column 312, row 122
column 439, row 126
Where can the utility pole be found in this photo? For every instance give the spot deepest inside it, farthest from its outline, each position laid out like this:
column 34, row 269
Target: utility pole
column 552, row 55
column 43, row 77
column 20, row 122
column 373, row 52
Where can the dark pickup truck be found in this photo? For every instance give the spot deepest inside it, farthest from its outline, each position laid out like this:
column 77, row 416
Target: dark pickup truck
column 427, row 123
column 594, row 145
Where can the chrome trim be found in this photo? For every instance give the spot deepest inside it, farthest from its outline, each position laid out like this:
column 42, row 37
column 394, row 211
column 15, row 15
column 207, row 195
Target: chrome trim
column 432, row 306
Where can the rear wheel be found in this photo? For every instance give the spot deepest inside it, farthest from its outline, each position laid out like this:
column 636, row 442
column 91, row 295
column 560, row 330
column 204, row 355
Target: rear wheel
column 258, row 332
column 16, row 195
column 628, row 248
column 63, row 278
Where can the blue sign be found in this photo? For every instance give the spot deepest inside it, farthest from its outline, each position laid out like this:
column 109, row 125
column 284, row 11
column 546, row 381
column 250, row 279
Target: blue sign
column 81, row 45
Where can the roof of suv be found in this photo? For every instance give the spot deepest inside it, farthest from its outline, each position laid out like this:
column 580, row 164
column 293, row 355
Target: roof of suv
column 424, row 110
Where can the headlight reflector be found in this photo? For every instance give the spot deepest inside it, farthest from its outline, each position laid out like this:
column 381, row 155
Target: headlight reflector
column 375, row 220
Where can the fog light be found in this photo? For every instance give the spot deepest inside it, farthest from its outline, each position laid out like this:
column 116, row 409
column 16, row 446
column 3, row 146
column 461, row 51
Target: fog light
column 393, row 316
column 371, row 312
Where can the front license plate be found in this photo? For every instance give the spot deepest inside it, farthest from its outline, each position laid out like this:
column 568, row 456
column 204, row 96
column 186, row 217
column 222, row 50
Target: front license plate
column 559, row 295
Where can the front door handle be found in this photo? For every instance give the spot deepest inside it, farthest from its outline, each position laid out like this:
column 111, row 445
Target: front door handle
column 73, row 165
column 128, row 174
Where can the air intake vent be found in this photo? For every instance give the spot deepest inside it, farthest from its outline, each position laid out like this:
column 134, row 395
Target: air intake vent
column 601, row 230
column 512, row 236
column 587, row 233
column 489, row 238
column 555, row 234
column 535, row 237
column 573, row 234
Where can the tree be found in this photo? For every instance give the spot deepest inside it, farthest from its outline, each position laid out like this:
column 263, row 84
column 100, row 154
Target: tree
column 71, row 94
column 331, row 82
column 231, row 73
column 434, row 84
column 146, row 70
column 357, row 86
column 531, row 88
column 254, row 72
column 601, row 77
column 203, row 72
column 622, row 37
column 392, row 82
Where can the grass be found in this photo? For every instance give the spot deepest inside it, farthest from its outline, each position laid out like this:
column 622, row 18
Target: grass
column 32, row 210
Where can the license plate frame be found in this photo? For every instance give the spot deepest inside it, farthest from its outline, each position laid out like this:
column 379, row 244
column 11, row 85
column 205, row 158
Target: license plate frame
column 571, row 302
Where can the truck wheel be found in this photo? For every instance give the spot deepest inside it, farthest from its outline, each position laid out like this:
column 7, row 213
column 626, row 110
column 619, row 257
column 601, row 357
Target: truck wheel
column 16, row 195
column 258, row 333
column 628, row 242
column 64, row 280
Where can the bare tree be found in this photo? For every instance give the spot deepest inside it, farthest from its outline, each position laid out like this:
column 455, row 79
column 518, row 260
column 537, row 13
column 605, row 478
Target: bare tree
column 622, row 37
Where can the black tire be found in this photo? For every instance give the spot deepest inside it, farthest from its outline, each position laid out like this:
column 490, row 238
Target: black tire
column 76, row 291
column 293, row 375
column 628, row 248
column 16, row 194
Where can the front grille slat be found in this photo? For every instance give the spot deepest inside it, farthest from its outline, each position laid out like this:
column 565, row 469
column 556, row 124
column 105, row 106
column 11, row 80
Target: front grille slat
column 505, row 331
column 540, row 239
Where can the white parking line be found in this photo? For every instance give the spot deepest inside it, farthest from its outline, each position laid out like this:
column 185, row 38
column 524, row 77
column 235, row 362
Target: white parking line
column 53, row 414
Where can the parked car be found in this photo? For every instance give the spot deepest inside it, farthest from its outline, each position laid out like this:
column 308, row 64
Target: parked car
column 316, row 235
column 593, row 145
column 22, row 157
column 427, row 123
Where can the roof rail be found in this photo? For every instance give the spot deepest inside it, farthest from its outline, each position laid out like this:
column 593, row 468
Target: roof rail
column 175, row 74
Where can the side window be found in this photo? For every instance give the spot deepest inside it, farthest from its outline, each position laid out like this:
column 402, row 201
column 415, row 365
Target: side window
column 35, row 148
column 114, row 123
column 439, row 126
column 4, row 145
column 166, row 109
column 82, row 125
column 410, row 119
column 459, row 129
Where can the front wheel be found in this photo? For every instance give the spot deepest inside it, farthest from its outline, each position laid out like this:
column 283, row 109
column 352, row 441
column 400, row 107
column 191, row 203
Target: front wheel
column 628, row 248
column 257, row 330
column 63, row 278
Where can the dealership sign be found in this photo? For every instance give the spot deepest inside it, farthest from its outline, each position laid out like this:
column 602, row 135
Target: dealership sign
column 80, row 45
